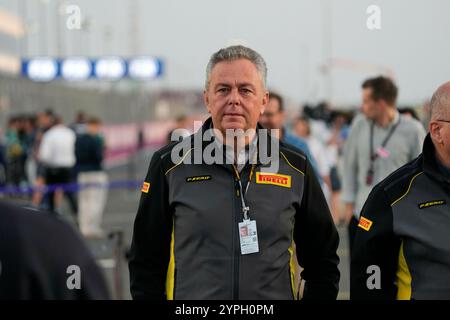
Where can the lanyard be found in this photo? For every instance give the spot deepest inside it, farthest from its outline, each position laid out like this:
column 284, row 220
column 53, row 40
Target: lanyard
column 245, row 208
column 374, row 155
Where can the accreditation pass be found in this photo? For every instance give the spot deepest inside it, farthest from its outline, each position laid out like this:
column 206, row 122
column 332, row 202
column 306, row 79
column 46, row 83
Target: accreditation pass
column 248, row 236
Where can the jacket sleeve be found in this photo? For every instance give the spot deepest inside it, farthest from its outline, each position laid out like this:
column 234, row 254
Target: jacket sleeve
column 316, row 241
column 350, row 164
column 150, row 248
column 375, row 253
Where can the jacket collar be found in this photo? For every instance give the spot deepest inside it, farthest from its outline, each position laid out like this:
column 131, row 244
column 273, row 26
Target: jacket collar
column 209, row 125
column 429, row 162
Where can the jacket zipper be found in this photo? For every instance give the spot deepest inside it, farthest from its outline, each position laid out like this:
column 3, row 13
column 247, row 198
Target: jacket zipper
column 235, row 275
column 237, row 213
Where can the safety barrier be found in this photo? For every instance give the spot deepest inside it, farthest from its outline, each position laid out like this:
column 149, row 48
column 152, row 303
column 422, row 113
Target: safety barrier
column 69, row 187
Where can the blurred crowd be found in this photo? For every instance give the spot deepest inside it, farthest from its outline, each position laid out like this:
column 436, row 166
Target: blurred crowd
column 72, row 155
column 43, row 160
column 320, row 132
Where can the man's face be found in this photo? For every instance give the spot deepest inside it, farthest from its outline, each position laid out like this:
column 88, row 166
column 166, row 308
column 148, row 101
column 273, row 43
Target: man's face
column 272, row 118
column 370, row 107
column 446, row 137
column 301, row 128
column 235, row 97
column 93, row 128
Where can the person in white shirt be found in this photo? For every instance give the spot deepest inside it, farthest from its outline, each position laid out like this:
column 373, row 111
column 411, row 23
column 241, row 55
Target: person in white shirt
column 57, row 154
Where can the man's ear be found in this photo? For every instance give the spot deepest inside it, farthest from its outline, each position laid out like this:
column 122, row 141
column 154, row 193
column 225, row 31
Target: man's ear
column 435, row 131
column 206, row 100
column 265, row 101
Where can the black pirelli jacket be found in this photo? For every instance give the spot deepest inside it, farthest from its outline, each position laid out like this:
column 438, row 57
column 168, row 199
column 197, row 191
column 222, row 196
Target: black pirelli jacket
column 402, row 246
column 186, row 241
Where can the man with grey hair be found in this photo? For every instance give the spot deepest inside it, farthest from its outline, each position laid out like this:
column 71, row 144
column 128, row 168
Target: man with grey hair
column 402, row 247
column 226, row 229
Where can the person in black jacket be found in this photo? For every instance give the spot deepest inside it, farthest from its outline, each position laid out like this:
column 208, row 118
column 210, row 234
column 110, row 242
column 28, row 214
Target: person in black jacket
column 402, row 244
column 187, row 242
column 41, row 257
column 89, row 149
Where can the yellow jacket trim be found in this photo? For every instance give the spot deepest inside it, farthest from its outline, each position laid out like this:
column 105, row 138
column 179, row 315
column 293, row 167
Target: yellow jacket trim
column 170, row 278
column 407, row 191
column 403, row 277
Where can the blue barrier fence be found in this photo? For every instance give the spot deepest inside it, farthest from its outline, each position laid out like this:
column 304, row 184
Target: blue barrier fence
column 70, row 187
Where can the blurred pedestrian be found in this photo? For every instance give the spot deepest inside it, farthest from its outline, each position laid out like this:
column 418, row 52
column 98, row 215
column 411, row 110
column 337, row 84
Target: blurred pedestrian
column 45, row 120
column 15, row 152
column 339, row 130
column 93, row 181
column 79, row 125
column 57, row 154
column 303, row 130
column 274, row 117
column 379, row 142
column 30, row 163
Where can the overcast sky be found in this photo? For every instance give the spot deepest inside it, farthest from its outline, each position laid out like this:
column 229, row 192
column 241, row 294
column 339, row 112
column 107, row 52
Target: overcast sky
column 295, row 37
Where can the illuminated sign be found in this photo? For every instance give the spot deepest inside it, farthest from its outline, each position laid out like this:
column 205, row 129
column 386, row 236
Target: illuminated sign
column 76, row 69
column 41, row 69
column 82, row 68
column 110, row 68
column 144, row 68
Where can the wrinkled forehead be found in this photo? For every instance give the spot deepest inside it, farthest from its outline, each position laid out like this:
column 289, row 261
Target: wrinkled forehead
column 236, row 72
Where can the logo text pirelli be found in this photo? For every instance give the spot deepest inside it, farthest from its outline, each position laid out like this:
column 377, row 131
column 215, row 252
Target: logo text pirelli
column 274, row 179
column 431, row 204
column 365, row 223
column 198, row 178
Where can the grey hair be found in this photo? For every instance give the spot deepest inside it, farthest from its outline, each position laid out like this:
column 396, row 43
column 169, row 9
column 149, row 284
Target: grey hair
column 234, row 53
column 440, row 102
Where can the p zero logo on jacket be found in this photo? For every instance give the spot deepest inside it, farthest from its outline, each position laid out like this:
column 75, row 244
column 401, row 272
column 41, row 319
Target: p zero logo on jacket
column 198, row 178
column 431, row 204
column 145, row 187
column 275, row 179
column 365, row 223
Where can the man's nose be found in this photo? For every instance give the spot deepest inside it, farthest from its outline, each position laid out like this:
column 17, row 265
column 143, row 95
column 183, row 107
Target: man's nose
column 234, row 98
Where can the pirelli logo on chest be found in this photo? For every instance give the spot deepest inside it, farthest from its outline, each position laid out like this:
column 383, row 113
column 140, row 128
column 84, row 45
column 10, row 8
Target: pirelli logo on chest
column 431, row 204
column 198, row 178
column 280, row 180
column 365, row 223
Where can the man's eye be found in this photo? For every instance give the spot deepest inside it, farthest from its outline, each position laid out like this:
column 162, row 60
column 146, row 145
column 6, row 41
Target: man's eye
column 222, row 90
column 246, row 90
